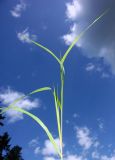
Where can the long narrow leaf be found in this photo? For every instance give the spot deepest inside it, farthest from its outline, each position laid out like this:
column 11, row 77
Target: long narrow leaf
column 57, row 99
column 33, row 92
column 57, row 113
column 39, row 90
column 80, row 35
column 40, row 123
column 47, row 50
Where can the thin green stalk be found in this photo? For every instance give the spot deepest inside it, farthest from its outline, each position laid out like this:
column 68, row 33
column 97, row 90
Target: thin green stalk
column 57, row 113
column 62, row 96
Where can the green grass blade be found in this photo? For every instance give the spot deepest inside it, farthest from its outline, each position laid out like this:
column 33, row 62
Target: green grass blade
column 80, row 35
column 35, row 118
column 47, row 50
column 39, row 90
column 57, row 113
column 57, row 99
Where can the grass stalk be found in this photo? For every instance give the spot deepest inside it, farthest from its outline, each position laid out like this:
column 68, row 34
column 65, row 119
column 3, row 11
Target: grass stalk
column 62, row 99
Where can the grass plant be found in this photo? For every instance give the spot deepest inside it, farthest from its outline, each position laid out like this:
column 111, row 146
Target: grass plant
column 58, row 97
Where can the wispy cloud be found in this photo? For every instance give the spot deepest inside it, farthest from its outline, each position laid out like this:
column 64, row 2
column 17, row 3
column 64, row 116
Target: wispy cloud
column 25, row 36
column 100, row 124
column 97, row 68
column 105, row 157
column 8, row 96
column 37, row 150
column 75, row 115
column 18, row 9
column 34, row 142
column 90, row 67
column 95, row 155
column 49, row 158
column 105, row 75
column 34, row 145
column 67, row 157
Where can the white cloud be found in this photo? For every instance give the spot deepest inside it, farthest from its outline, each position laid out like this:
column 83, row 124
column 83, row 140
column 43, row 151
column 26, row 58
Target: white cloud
column 74, row 157
column 97, row 68
column 84, row 138
column 25, row 36
column 100, row 124
column 8, row 96
column 75, row 115
column 98, row 42
column 34, row 142
column 37, row 150
column 49, row 148
column 95, row 155
column 67, row 121
column 69, row 37
column 49, row 158
column 105, row 75
column 96, row 144
column 90, row 67
column 104, row 157
column 18, row 9
column 73, row 10
column 67, row 157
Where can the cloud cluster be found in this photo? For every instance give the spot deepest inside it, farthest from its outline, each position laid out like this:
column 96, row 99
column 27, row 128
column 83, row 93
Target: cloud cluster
column 18, row 9
column 90, row 146
column 84, row 139
column 99, row 68
column 98, row 42
column 8, row 96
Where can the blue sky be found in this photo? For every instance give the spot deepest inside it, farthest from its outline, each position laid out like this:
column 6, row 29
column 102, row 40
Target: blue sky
column 89, row 103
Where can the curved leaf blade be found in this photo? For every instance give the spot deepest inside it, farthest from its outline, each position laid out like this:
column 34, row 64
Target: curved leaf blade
column 80, row 35
column 39, row 90
column 44, row 127
column 47, row 50
column 33, row 92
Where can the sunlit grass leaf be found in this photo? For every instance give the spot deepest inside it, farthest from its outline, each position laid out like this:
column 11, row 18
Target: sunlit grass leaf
column 57, row 103
column 35, row 118
column 47, row 50
column 40, row 90
column 80, row 35
column 57, row 99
